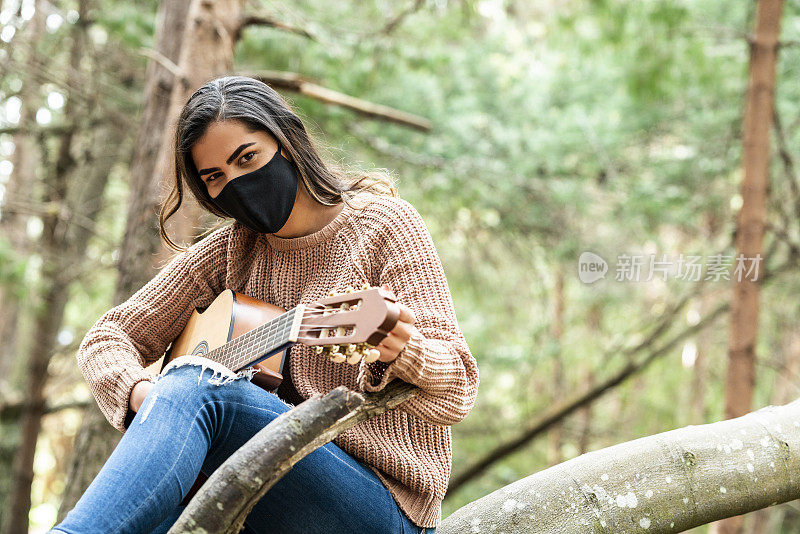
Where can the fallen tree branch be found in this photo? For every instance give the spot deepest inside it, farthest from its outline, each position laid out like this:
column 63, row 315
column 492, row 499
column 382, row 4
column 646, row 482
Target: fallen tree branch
column 238, row 484
column 669, row 482
column 292, row 81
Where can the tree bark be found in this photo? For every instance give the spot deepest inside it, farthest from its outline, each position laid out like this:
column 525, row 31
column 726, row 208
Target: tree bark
column 751, row 220
column 668, row 482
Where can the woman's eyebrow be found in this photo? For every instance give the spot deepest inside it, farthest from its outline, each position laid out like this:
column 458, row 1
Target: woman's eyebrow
column 230, row 158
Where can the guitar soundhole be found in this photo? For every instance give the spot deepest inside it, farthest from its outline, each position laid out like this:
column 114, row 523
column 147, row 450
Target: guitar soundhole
column 200, row 349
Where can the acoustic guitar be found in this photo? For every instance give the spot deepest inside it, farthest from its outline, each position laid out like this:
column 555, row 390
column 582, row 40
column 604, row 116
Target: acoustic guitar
column 239, row 332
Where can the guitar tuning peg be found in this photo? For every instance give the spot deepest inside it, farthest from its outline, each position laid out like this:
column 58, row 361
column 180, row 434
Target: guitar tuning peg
column 372, row 355
column 334, row 349
column 337, row 357
column 350, row 349
column 318, row 349
column 354, row 358
column 349, row 289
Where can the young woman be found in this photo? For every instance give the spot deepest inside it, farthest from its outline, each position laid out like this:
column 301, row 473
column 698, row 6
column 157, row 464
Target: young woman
column 302, row 229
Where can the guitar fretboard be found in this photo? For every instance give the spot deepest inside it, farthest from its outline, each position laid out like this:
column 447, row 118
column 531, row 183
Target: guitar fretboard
column 259, row 343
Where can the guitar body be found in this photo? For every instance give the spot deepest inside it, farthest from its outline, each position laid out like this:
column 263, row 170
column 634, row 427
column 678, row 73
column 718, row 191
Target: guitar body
column 228, row 317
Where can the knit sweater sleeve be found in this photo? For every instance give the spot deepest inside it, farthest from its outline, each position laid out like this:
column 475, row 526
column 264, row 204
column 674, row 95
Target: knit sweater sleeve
column 437, row 358
column 133, row 334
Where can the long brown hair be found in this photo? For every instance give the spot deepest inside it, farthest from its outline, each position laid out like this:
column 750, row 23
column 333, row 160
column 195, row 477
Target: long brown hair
column 259, row 107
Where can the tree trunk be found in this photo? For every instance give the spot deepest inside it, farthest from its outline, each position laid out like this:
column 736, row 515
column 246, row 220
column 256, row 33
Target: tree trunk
column 47, row 322
column 206, row 52
column 668, row 482
column 13, row 228
column 141, row 240
column 14, row 219
column 63, row 245
column 751, row 220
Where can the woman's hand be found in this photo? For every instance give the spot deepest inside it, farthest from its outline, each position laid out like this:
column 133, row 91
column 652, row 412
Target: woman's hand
column 140, row 391
column 394, row 343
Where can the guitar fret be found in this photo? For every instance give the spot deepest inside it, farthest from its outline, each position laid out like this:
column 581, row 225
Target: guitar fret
column 257, row 342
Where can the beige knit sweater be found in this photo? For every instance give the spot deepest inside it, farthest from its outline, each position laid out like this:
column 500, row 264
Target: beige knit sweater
column 384, row 242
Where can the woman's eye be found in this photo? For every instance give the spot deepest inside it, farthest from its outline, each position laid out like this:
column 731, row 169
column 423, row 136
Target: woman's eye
column 211, row 179
column 248, row 156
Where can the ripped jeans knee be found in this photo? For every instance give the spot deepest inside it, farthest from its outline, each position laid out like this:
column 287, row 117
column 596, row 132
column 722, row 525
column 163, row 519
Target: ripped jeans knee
column 221, row 374
column 194, row 377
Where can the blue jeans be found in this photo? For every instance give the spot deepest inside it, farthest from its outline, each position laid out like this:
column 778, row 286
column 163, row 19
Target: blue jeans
column 186, row 425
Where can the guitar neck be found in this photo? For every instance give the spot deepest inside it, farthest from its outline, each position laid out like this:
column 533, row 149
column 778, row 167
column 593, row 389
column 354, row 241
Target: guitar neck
column 261, row 342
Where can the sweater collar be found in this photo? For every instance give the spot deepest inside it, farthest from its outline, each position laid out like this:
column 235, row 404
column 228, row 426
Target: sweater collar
column 322, row 235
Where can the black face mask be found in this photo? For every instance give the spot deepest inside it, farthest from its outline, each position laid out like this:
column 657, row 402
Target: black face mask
column 262, row 199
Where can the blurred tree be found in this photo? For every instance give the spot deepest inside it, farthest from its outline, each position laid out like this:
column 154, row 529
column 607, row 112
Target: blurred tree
column 752, row 219
column 73, row 197
column 19, row 190
column 18, row 200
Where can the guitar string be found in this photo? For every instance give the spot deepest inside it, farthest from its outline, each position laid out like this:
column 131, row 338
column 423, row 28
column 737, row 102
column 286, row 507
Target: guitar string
column 243, row 346
column 253, row 341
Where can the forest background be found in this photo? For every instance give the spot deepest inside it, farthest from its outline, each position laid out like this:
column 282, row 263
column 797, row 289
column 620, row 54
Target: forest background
column 525, row 132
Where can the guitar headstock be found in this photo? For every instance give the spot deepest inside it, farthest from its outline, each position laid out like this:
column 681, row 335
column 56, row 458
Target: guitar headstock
column 347, row 326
